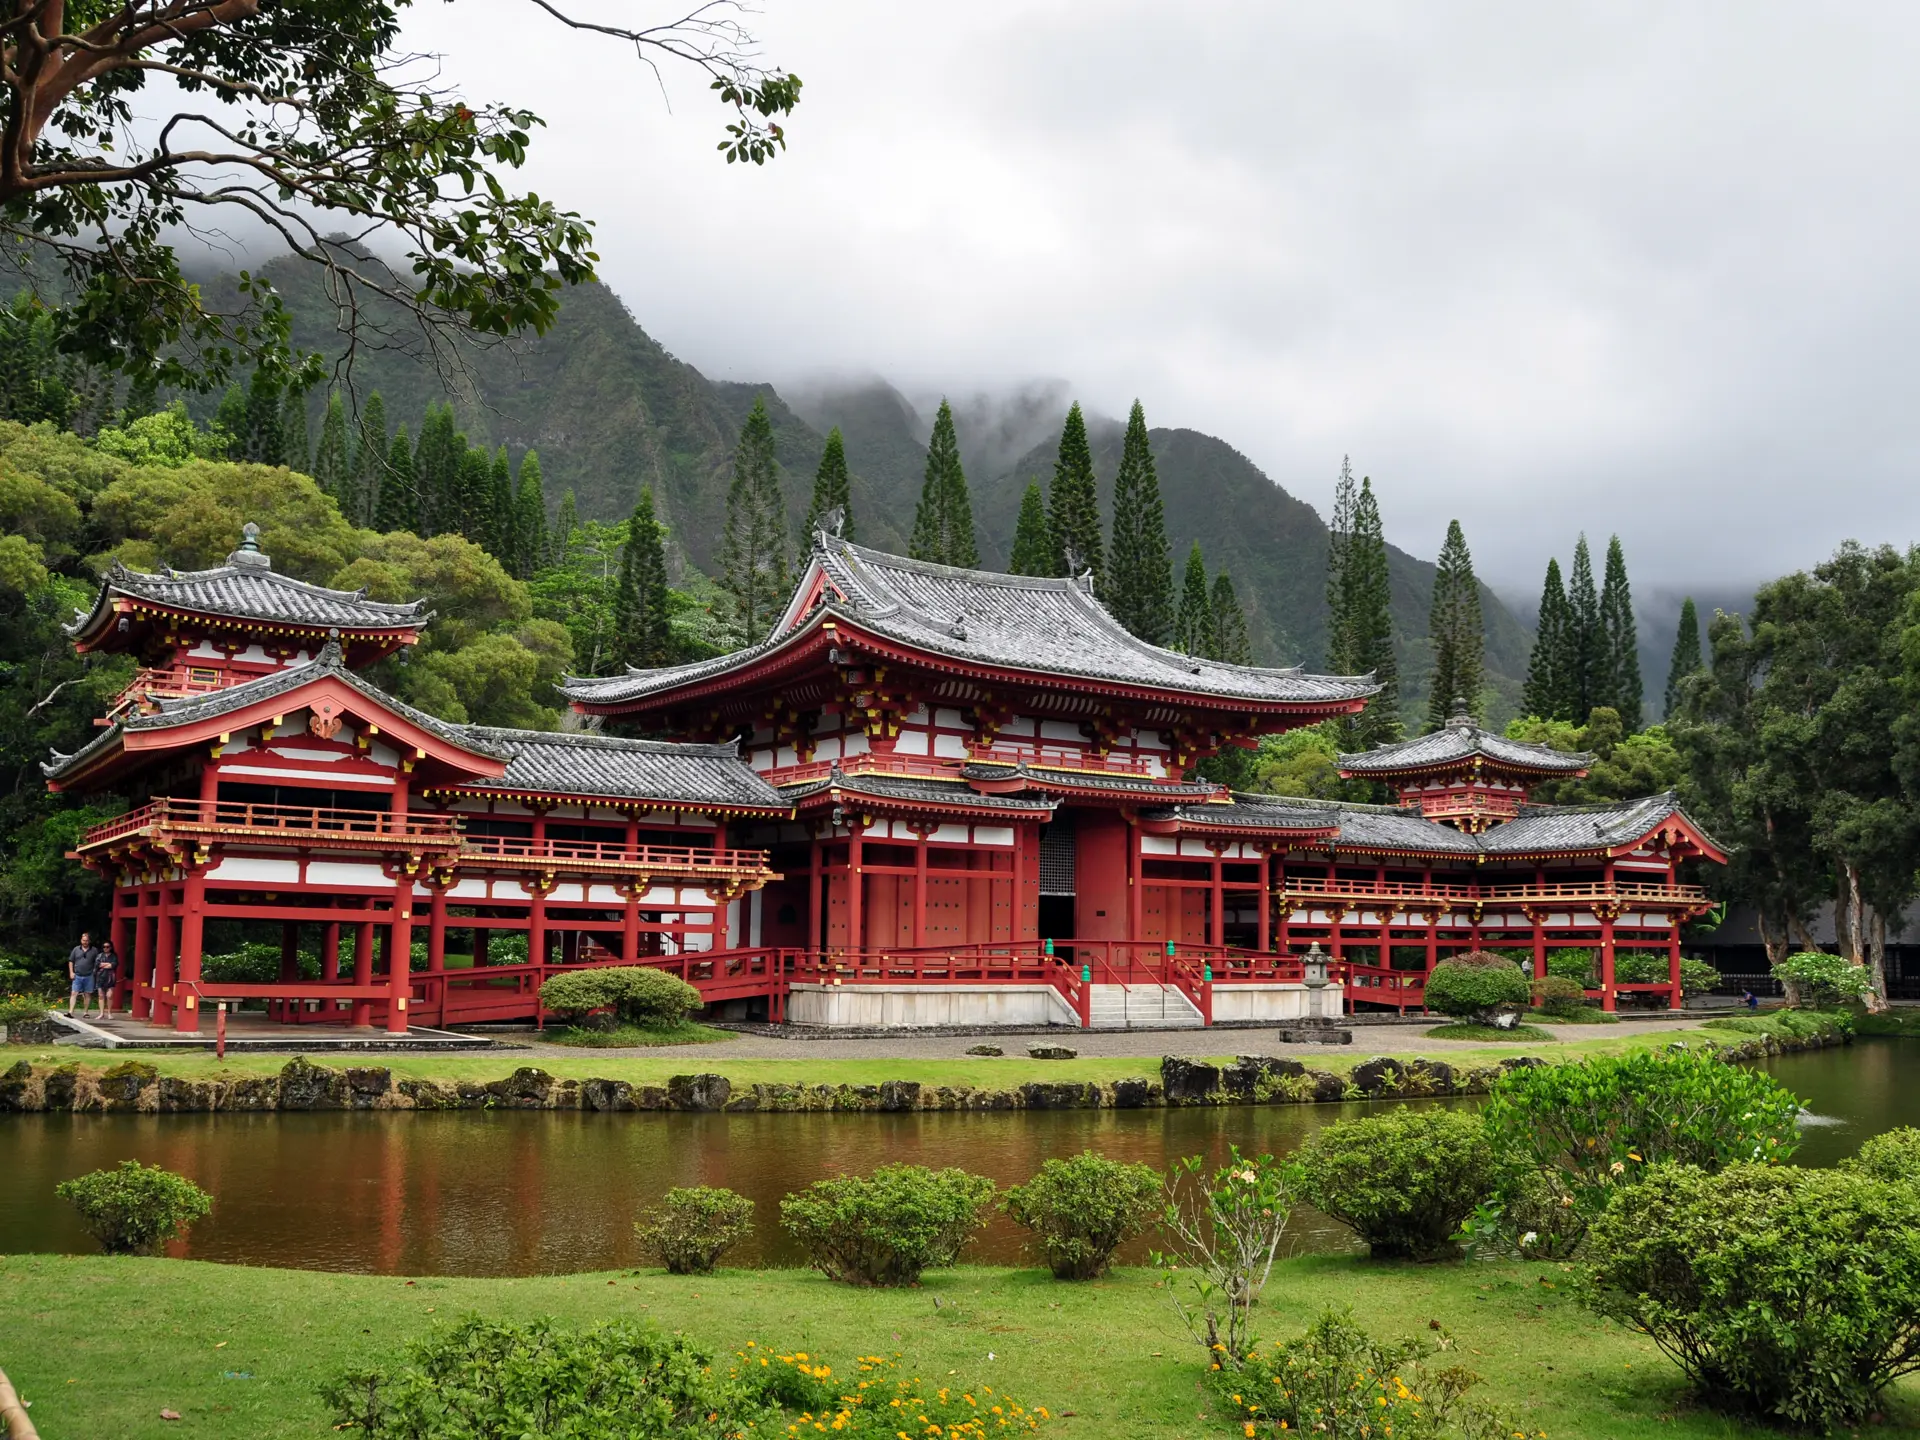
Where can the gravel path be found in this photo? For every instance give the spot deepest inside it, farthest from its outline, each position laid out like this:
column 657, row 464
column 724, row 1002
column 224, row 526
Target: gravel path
column 1367, row 1040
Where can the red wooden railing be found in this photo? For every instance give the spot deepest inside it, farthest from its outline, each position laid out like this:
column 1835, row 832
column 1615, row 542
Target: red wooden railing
column 1064, row 757
column 304, row 823
column 524, row 853
column 174, row 681
column 1309, row 888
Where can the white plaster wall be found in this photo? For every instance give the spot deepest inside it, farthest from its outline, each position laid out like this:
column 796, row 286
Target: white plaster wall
column 1279, row 1001
column 922, row 1006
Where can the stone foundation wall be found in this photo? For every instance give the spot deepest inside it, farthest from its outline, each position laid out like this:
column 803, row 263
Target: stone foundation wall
column 136, row 1086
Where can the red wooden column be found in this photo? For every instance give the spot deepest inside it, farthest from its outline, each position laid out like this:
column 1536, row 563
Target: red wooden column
column 186, row 1017
column 144, row 925
column 1609, row 998
column 437, row 950
column 1016, row 921
column 537, row 925
column 1265, row 912
column 1217, row 914
column 814, row 882
column 630, row 915
column 125, row 920
column 1277, row 898
column 164, row 939
column 920, row 889
column 856, row 886
column 330, row 951
column 289, row 952
column 361, row 1014
column 400, row 955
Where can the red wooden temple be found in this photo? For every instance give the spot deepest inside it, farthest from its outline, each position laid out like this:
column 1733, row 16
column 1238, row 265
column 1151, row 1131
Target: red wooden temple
column 929, row 797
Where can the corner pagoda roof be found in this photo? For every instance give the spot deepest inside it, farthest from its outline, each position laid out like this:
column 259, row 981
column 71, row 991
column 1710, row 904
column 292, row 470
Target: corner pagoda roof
column 1461, row 740
column 1540, row 830
column 1022, row 623
column 544, row 762
column 247, row 589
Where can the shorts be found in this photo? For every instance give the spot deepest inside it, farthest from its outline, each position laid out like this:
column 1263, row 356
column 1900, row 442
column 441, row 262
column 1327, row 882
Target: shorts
column 105, row 980
column 82, row 985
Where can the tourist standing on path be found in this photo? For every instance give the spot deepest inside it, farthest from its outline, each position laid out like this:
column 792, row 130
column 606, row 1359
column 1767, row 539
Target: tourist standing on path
column 82, row 961
column 106, row 977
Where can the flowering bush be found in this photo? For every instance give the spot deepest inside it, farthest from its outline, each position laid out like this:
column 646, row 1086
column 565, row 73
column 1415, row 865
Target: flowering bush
column 1226, row 1227
column 1337, row 1381
column 1402, row 1179
column 693, row 1226
column 1082, row 1209
column 1605, row 1120
column 19, row 1009
column 885, row 1228
column 1476, row 985
column 134, row 1209
column 621, row 1381
column 1824, row 979
column 1783, row 1293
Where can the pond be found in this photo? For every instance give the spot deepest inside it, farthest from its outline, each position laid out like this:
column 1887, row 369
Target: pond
column 522, row 1193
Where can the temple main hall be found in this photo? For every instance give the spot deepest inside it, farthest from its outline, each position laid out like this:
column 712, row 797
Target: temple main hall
column 927, row 797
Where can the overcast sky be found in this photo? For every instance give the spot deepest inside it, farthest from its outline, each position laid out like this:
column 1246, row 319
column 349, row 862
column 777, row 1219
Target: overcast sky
column 1543, row 268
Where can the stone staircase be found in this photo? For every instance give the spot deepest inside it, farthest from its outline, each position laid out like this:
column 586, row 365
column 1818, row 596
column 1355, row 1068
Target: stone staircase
column 1143, row 1006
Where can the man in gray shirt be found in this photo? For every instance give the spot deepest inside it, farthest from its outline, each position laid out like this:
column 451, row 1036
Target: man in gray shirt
column 81, row 963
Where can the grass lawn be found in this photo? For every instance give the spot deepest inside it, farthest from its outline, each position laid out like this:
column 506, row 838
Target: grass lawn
column 1467, row 1030
column 101, row 1346
column 637, row 1037
column 654, row 1067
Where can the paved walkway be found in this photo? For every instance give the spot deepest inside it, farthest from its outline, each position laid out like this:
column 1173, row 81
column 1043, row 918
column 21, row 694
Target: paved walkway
column 1367, row 1040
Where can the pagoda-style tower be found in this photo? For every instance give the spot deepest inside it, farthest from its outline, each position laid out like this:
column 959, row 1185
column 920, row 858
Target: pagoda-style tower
column 1462, row 775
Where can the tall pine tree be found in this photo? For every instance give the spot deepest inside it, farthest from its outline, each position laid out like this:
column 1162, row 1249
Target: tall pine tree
column 500, row 512
column 332, row 464
column 1340, row 659
column 437, row 461
column 296, row 447
column 264, row 440
column 473, row 496
column 1619, row 642
column 369, row 461
column 832, row 489
column 1073, row 504
column 1368, row 607
column 230, row 422
column 1687, row 659
column 531, row 548
column 1140, row 584
column 1549, row 692
column 1032, row 540
column 754, row 547
column 943, row 523
column 1586, row 649
column 565, row 526
column 1230, row 642
column 1193, row 625
column 641, row 636
column 397, row 507
column 1459, row 638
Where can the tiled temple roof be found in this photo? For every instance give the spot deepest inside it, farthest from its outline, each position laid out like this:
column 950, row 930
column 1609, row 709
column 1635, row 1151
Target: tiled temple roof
column 562, row 763
column 1012, row 622
column 247, row 587
column 1539, row 829
column 1459, row 740
column 912, row 789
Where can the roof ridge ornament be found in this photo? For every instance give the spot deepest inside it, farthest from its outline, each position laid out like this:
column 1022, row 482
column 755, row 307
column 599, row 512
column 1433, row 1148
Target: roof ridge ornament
column 1461, row 718
column 249, row 554
column 834, row 522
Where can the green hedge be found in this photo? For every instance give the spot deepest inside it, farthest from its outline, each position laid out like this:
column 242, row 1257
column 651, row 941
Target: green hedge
column 639, row 994
column 1403, row 1180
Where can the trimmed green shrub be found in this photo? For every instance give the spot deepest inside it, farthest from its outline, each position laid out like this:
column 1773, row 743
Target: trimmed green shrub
column 1784, row 1293
column 887, row 1227
column 1539, row 1216
column 1824, row 980
column 507, row 947
column 693, row 1226
column 1402, row 1180
column 1476, row 986
column 1337, row 1381
column 1894, row 1157
column 257, row 962
column 134, row 1209
column 1603, row 1121
column 1558, row 996
column 1697, row 977
column 1081, row 1209
column 639, row 994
